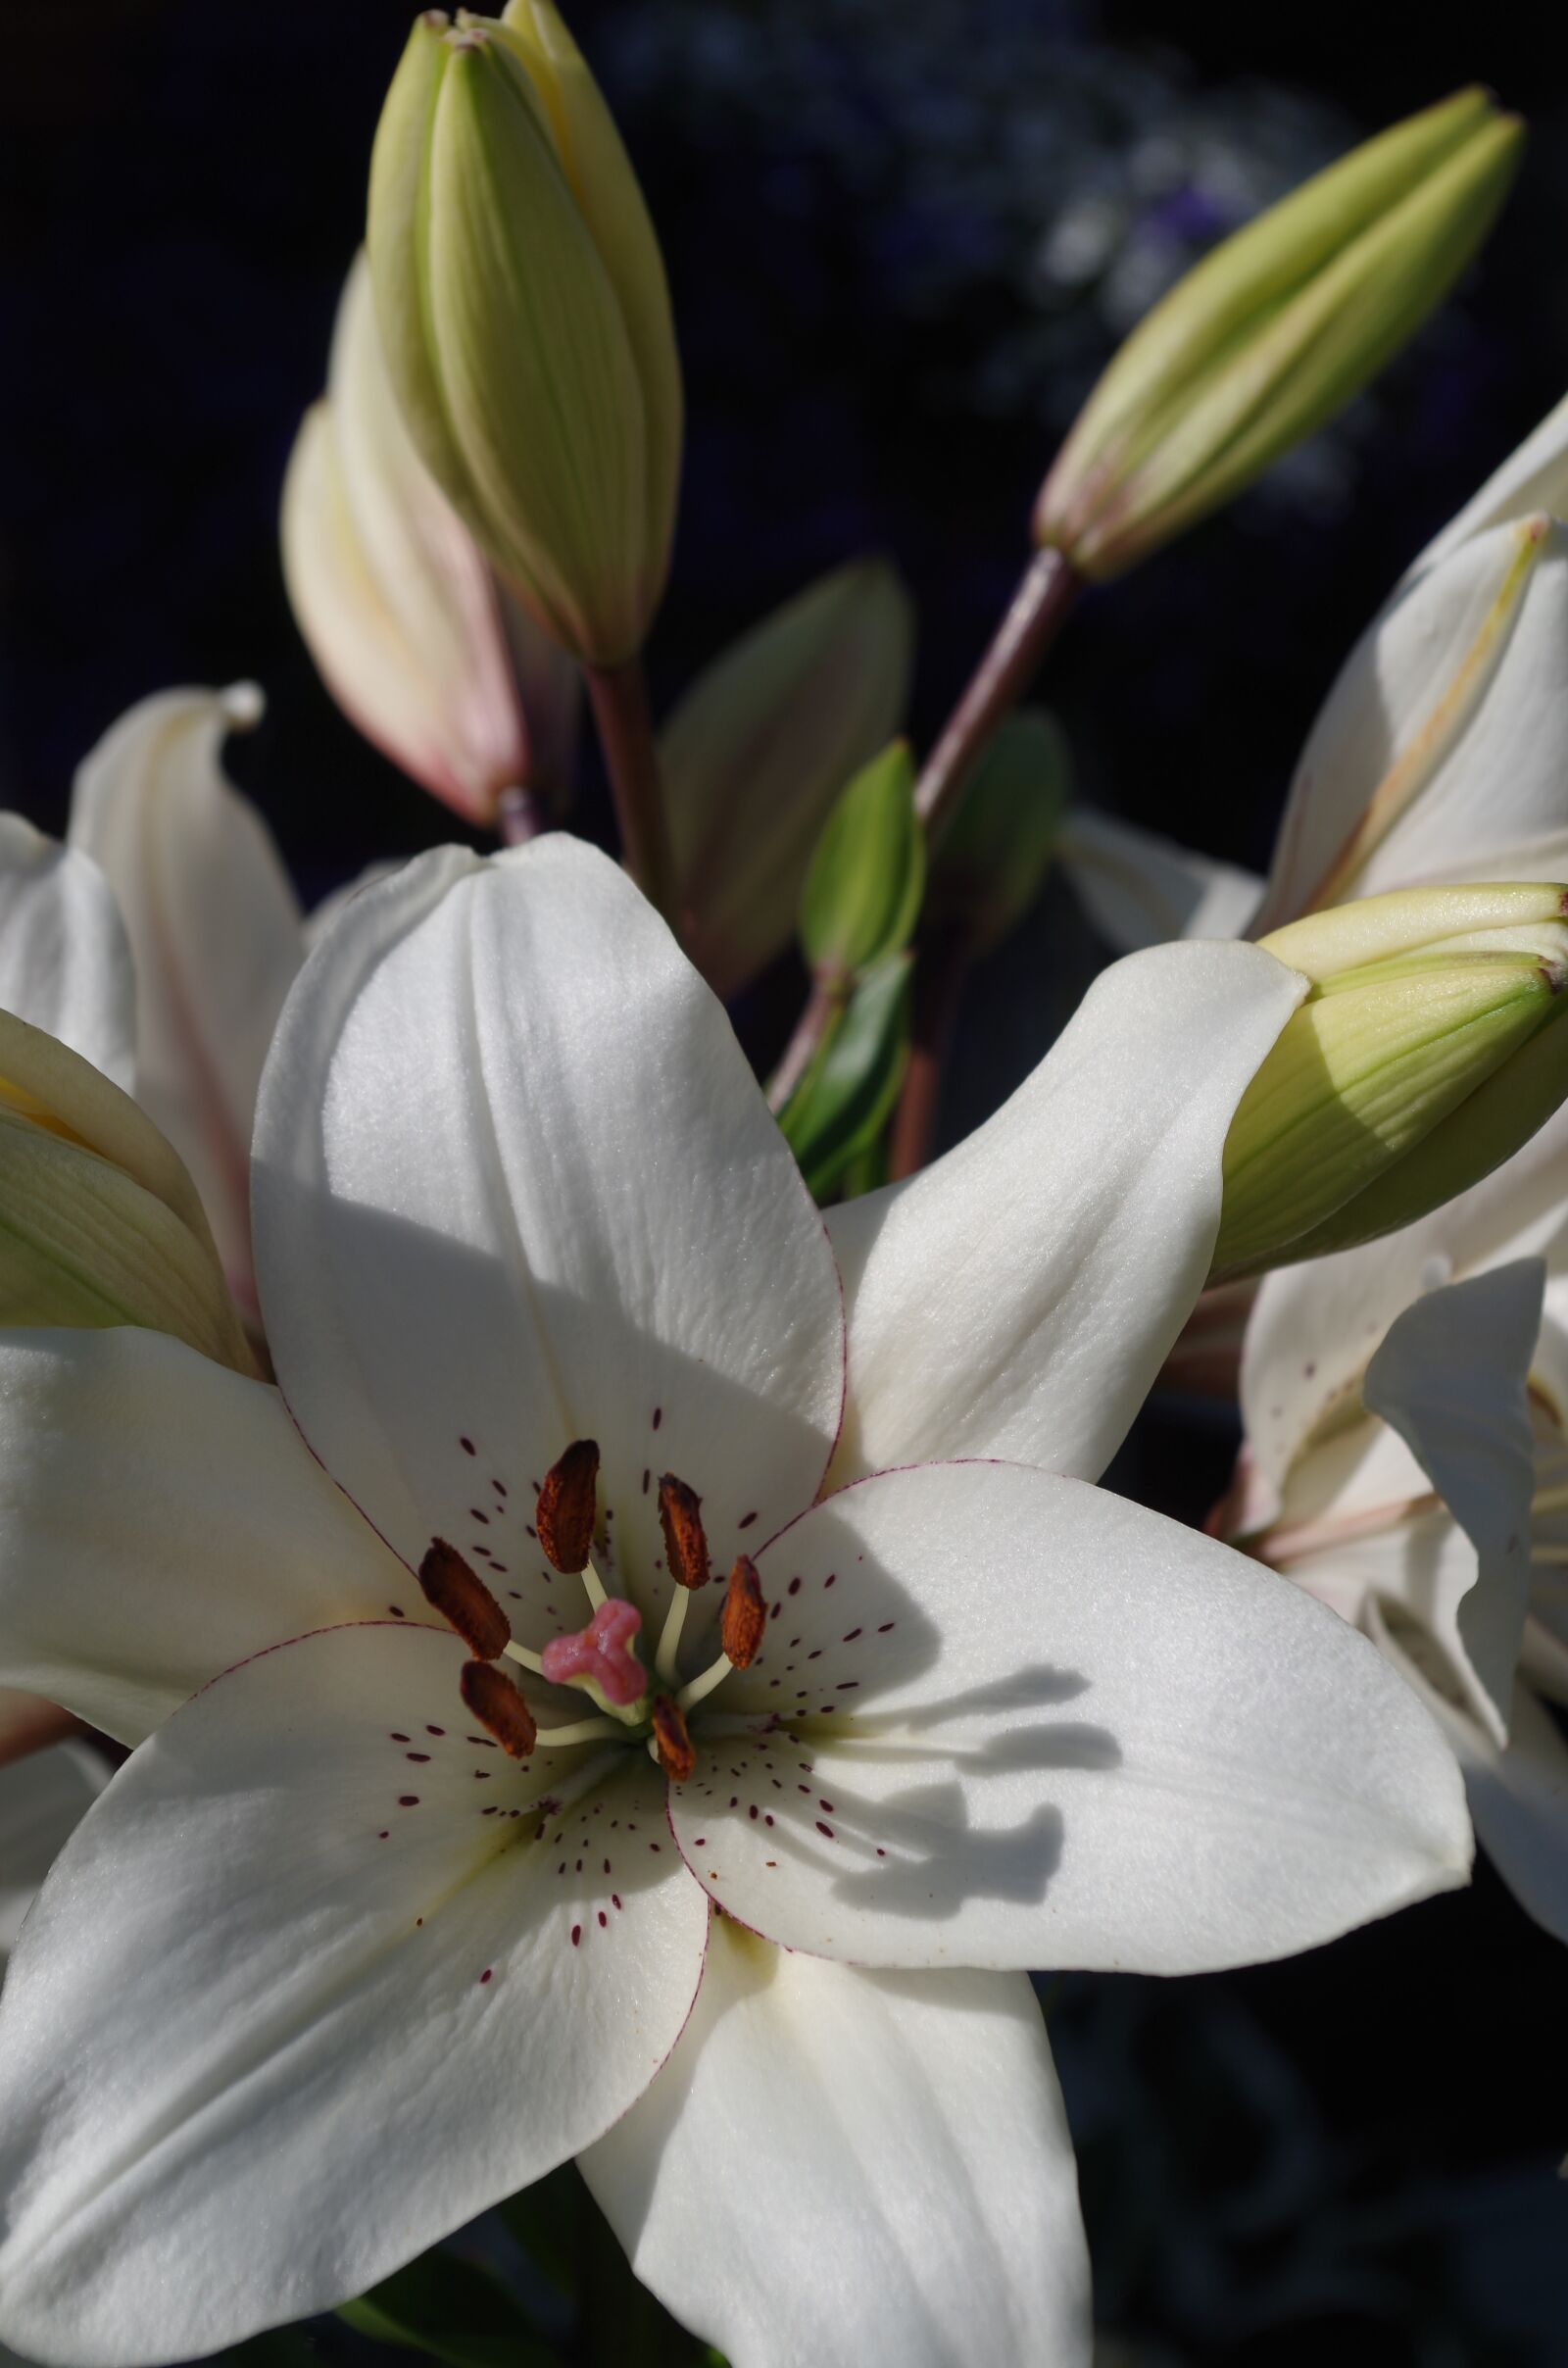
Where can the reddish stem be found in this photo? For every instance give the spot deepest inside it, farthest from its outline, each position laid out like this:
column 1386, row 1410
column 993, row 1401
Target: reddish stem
column 1046, row 593
column 620, row 699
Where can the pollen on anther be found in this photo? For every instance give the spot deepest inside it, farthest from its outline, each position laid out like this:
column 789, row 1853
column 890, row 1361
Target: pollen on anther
column 680, row 1519
column 451, row 1587
column 496, row 1703
column 565, row 1513
column 745, row 1613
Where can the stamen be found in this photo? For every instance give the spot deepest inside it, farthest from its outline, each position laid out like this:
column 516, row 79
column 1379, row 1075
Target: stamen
column 745, row 1615
column 565, row 1513
column 463, row 1601
column 680, row 1517
column 601, row 1656
column 582, row 1730
column 740, row 1632
column 497, row 1706
column 670, row 1744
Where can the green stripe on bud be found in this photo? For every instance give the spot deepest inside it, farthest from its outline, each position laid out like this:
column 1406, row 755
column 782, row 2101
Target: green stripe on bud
column 525, row 318
column 1274, row 332
column 1426, row 1053
column 862, row 893
column 99, row 1222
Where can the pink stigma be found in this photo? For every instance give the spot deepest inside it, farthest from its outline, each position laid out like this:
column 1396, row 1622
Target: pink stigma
column 603, row 1653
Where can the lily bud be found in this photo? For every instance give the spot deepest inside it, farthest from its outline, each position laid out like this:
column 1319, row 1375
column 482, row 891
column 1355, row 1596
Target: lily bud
column 398, row 605
column 525, row 318
column 759, row 746
column 1275, row 331
column 1426, row 1053
column 995, row 853
column 99, row 1222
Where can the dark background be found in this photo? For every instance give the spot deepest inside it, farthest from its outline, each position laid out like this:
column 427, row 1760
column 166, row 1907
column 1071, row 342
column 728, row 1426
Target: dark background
column 902, row 240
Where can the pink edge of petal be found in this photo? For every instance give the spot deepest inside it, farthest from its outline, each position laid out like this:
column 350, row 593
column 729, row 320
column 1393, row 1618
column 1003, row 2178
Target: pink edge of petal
column 891, row 1471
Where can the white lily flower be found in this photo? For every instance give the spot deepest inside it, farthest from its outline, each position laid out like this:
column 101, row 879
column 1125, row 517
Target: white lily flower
column 327, row 1971
column 1440, row 756
column 215, row 930
column 1406, row 1417
column 43, row 1800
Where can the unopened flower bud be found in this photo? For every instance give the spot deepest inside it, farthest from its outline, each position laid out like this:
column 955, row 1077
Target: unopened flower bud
column 993, row 858
column 1275, row 331
column 100, row 1225
column 525, row 318
column 758, row 748
column 398, row 604
column 1426, row 1053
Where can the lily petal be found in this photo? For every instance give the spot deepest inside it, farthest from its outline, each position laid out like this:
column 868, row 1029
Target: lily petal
column 1038, row 1726
column 43, row 1800
column 861, row 2170
column 291, row 2008
column 64, row 963
column 1036, row 1330
column 1534, row 476
column 214, row 933
column 160, row 1518
column 1451, row 1379
column 1439, row 754
column 448, row 1302
column 1140, row 889
column 1314, row 1328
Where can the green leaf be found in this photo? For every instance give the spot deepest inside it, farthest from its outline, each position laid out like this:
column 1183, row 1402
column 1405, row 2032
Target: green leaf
column 862, row 893
column 453, row 2310
column 994, row 856
column 847, row 1096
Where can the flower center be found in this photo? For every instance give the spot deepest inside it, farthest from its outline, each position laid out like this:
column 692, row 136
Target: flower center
column 600, row 1660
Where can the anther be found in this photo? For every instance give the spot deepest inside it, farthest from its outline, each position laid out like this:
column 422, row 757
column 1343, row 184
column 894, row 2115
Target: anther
column 565, row 1513
column 463, row 1601
column 680, row 1517
column 498, row 1707
column 672, row 1744
column 745, row 1615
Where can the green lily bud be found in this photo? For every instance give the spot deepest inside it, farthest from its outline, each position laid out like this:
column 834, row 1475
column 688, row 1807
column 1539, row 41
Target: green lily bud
column 99, row 1222
column 1426, row 1053
column 1275, row 331
column 994, row 856
column 525, row 318
column 755, row 753
column 863, row 892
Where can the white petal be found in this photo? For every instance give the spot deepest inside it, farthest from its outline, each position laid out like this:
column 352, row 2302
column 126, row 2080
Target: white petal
column 1451, row 1379
column 1454, row 709
column 517, row 1186
column 160, row 1518
column 1518, row 1796
column 250, row 2057
column 42, row 1801
column 214, row 933
column 65, row 963
column 1314, row 1328
column 1519, row 1801
column 852, row 2169
column 1031, row 1724
column 1019, row 1297
column 1534, row 476
column 1140, row 889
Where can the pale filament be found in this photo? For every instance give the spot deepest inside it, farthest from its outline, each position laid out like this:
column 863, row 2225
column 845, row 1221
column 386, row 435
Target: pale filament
column 701, row 1686
column 582, row 1730
column 666, row 1660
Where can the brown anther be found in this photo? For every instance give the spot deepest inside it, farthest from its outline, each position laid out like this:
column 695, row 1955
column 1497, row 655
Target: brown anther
column 677, row 1755
column 680, row 1517
column 744, row 1617
column 565, row 1513
column 497, row 1704
column 463, row 1601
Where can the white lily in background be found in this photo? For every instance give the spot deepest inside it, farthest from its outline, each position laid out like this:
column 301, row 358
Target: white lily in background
column 43, row 1798
column 446, row 673
column 1407, row 1462
column 1439, row 755
column 327, row 1971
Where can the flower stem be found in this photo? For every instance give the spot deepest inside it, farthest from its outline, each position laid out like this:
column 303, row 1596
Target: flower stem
column 817, row 1012
column 1047, row 592
column 938, row 992
column 620, row 699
